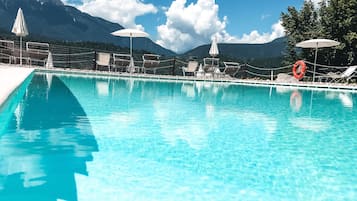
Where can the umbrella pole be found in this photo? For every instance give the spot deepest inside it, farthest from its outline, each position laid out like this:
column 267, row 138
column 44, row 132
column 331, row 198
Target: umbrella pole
column 313, row 76
column 131, row 65
column 131, row 46
column 20, row 51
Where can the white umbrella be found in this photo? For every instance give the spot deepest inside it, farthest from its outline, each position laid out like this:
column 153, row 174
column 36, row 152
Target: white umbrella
column 20, row 29
column 49, row 62
column 317, row 43
column 213, row 51
column 132, row 33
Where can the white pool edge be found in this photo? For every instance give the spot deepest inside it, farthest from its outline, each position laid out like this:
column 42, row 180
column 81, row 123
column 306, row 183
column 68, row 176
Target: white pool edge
column 316, row 86
column 10, row 79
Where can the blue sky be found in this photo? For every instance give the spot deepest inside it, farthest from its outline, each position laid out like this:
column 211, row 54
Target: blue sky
column 180, row 25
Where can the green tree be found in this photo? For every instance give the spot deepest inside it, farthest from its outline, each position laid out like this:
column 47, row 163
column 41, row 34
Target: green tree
column 339, row 22
column 299, row 26
column 334, row 19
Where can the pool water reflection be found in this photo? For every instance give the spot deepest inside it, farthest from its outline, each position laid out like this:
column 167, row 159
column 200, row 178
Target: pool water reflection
column 128, row 139
column 47, row 142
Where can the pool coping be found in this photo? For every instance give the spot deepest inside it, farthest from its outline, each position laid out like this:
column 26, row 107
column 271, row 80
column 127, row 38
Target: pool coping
column 11, row 78
column 317, row 86
column 14, row 76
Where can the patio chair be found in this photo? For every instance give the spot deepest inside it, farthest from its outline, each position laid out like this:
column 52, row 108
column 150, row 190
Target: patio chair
column 210, row 65
column 103, row 60
column 121, row 62
column 231, row 68
column 151, row 62
column 6, row 51
column 37, row 53
column 191, row 68
column 340, row 76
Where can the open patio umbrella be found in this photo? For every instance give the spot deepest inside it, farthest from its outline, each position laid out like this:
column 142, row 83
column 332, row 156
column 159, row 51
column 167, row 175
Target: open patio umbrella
column 20, row 29
column 132, row 33
column 213, row 51
column 317, row 43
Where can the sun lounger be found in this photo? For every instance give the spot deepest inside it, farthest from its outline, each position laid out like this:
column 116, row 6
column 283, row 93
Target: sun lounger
column 231, row 68
column 340, row 76
column 6, row 51
column 37, row 53
column 103, row 60
column 151, row 62
column 121, row 62
column 210, row 65
column 191, row 68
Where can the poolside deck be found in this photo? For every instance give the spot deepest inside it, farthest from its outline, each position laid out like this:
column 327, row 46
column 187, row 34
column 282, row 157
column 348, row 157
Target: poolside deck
column 10, row 78
column 351, row 87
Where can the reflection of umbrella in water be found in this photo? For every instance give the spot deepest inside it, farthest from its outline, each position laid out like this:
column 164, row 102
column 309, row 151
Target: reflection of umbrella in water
column 317, row 43
column 102, row 87
column 20, row 29
column 311, row 124
column 49, row 77
column 346, row 100
column 132, row 33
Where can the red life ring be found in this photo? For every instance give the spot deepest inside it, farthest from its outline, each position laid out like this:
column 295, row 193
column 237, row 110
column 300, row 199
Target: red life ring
column 299, row 65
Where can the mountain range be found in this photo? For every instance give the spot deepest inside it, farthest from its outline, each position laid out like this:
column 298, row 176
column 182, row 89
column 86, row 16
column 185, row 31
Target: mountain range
column 52, row 19
column 244, row 52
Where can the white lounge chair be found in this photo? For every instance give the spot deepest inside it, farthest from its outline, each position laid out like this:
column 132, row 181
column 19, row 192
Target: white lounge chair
column 210, row 65
column 103, row 59
column 191, row 68
column 37, row 53
column 151, row 62
column 6, row 51
column 231, row 68
column 121, row 61
column 338, row 77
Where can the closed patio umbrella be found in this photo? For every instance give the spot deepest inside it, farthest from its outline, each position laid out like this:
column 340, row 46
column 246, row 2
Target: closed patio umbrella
column 132, row 33
column 213, row 51
column 317, row 43
column 20, row 29
column 49, row 62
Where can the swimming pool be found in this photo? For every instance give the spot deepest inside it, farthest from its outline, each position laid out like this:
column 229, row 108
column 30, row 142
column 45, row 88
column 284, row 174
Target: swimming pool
column 82, row 138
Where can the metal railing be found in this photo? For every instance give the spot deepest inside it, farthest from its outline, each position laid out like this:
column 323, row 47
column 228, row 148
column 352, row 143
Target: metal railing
column 85, row 58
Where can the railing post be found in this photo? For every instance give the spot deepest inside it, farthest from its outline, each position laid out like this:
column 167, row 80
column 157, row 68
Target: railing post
column 95, row 60
column 272, row 75
column 245, row 71
column 69, row 58
column 174, row 66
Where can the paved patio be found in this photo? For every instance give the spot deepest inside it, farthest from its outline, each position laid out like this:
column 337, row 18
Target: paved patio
column 10, row 78
column 352, row 87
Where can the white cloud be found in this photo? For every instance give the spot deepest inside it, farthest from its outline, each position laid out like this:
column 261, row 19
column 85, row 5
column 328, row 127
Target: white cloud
column 265, row 16
column 192, row 25
column 255, row 37
column 71, row 2
column 195, row 24
column 123, row 12
column 316, row 2
column 186, row 27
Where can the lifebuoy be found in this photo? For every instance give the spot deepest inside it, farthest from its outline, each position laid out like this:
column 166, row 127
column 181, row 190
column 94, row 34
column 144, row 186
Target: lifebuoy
column 295, row 101
column 301, row 67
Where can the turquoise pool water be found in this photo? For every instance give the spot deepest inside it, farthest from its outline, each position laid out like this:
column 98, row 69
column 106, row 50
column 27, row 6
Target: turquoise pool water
column 75, row 138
